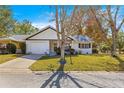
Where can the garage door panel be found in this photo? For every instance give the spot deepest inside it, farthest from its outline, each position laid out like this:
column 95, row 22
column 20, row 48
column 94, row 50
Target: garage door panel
column 39, row 47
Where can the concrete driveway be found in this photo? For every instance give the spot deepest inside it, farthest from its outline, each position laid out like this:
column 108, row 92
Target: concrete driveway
column 58, row 80
column 20, row 64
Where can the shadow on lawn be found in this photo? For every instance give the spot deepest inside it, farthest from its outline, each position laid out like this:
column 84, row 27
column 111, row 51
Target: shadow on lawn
column 121, row 63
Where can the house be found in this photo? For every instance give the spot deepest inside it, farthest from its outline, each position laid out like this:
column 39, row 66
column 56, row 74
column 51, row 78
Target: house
column 82, row 44
column 45, row 41
column 15, row 39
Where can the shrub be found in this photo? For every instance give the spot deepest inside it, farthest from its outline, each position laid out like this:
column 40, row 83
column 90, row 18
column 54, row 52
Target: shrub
column 105, row 48
column 57, row 50
column 72, row 51
column 23, row 47
column 122, row 49
column 67, row 51
column 95, row 51
column 11, row 48
column 79, row 52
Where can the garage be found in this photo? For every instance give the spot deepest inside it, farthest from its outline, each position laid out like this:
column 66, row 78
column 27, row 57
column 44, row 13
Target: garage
column 39, row 42
column 38, row 47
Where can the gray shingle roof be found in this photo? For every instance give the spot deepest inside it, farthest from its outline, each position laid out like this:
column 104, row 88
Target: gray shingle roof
column 20, row 38
column 81, row 38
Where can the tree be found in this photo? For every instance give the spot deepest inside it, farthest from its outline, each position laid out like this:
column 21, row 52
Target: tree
column 24, row 28
column 67, row 24
column 93, row 32
column 120, row 41
column 6, row 21
column 111, row 19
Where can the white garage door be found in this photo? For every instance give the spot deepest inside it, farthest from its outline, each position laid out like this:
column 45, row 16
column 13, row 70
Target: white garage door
column 39, row 47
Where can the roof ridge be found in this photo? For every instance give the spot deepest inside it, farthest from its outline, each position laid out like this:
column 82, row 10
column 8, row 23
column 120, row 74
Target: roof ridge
column 41, row 30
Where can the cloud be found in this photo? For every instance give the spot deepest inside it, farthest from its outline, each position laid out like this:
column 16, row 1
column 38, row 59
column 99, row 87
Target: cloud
column 51, row 14
column 40, row 25
column 47, row 19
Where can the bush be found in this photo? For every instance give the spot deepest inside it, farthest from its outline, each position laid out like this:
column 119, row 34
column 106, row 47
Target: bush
column 11, row 48
column 57, row 50
column 67, row 51
column 23, row 47
column 105, row 49
column 122, row 49
column 94, row 51
column 72, row 51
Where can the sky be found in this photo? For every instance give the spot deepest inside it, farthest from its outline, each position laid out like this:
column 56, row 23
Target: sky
column 39, row 15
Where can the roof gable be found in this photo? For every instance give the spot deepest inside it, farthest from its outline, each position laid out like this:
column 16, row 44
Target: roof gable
column 50, row 33
column 45, row 33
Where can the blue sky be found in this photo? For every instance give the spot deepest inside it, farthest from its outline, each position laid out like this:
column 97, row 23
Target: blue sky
column 38, row 15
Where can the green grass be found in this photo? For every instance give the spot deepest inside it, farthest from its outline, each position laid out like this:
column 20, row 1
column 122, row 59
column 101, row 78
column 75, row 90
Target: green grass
column 81, row 63
column 7, row 57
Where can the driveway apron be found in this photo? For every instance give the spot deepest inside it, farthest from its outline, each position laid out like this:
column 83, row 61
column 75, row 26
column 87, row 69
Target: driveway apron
column 20, row 64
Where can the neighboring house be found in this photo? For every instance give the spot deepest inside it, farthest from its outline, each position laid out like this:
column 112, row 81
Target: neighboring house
column 15, row 39
column 82, row 44
column 45, row 41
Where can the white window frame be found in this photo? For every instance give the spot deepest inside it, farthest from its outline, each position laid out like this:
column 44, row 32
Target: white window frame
column 84, row 45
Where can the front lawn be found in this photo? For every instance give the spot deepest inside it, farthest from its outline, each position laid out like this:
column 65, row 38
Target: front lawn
column 7, row 57
column 81, row 63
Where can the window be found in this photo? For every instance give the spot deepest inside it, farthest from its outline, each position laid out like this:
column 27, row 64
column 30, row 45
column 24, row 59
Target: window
column 81, row 45
column 87, row 46
column 84, row 45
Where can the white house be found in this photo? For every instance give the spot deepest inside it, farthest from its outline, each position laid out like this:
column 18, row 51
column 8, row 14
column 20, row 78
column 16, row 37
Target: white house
column 82, row 44
column 45, row 41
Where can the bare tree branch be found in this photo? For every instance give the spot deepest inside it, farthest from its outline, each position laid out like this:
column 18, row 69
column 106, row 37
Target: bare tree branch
column 105, row 17
column 122, row 22
column 109, row 13
column 111, row 22
column 116, row 13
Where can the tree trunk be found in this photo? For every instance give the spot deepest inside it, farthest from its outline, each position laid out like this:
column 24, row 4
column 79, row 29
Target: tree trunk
column 63, row 51
column 62, row 18
column 57, row 28
column 113, row 53
column 63, row 46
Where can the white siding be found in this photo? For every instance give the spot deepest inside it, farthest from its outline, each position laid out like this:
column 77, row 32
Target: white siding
column 37, row 47
column 83, row 51
column 47, row 34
